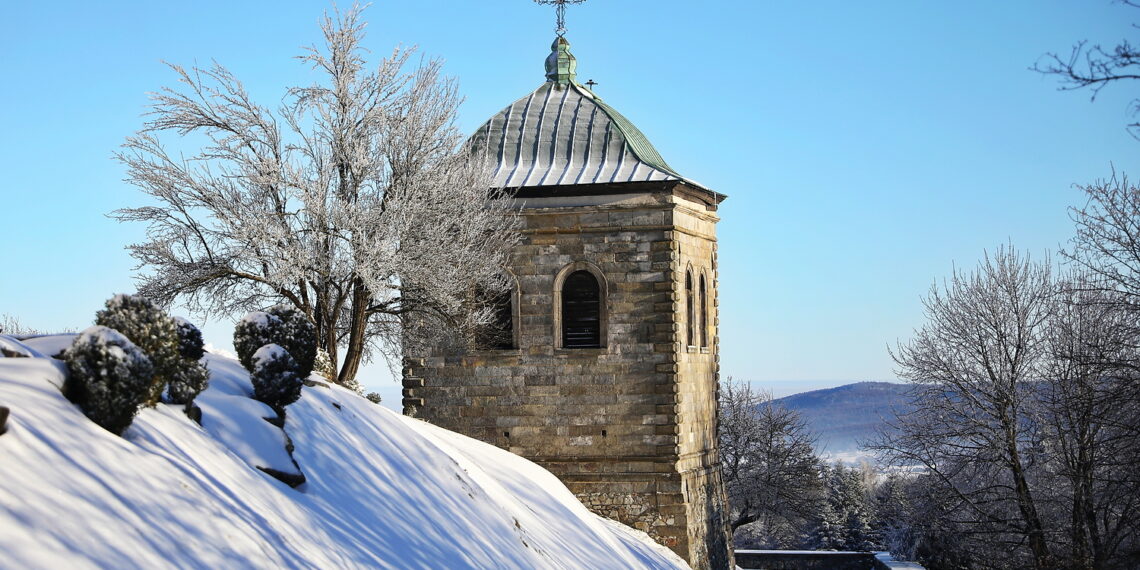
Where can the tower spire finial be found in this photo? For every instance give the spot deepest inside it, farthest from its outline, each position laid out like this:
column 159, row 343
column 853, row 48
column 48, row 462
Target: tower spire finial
column 561, row 67
column 560, row 10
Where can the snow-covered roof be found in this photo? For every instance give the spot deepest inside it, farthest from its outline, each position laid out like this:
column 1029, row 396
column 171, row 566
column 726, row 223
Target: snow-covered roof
column 564, row 134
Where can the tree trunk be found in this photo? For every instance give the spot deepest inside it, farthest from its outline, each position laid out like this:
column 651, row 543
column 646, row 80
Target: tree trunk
column 1082, row 514
column 358, row 325
column 1034, row 530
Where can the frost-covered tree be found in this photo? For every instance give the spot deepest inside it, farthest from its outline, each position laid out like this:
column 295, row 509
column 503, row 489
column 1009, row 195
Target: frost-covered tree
column 1089, row 430
column 828, row 533
column 1106, row 247
column 275, row 378
column 846, row 519
column 108, row 377
column 845, row 522
column 973, row 365
column 11, row 325
column 769, row 467
column 1024, row 435
column 895, row 519
column 354, row 201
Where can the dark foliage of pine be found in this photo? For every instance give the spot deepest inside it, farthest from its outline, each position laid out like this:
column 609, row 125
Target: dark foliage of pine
column 109, row 377
column 275, row 378
column 151, row 330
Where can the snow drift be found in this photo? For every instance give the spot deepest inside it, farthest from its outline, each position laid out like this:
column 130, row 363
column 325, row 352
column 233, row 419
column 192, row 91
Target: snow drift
column 382, row 490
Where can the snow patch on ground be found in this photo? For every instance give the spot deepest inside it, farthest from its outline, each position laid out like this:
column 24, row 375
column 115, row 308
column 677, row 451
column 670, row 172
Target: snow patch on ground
column 50, row 344
column 10, row 346
column 383, row 490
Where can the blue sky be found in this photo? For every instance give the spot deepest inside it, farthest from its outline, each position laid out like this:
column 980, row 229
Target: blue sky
column 866, row 148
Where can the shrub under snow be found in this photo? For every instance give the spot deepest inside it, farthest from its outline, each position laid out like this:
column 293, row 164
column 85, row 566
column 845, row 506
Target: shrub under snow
column 190, row 343
column 110, row 377
column 152, row 330
column 187, row 383
column 274, row 376
column 299, row 337
column 254, row 331
column 281, row 325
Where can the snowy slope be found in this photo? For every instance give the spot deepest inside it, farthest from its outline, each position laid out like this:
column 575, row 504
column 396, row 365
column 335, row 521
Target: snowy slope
column 382, row 491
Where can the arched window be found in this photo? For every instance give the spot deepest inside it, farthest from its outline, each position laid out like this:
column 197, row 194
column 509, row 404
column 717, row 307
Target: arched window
column 704, row 309
column 690, row 313
column 581, row 311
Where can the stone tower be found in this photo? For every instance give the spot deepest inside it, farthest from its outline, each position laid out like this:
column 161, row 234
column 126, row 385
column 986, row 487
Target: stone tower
column 607, row 374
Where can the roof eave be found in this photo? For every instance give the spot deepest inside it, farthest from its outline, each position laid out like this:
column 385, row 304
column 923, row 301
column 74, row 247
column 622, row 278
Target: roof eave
column 682, row 188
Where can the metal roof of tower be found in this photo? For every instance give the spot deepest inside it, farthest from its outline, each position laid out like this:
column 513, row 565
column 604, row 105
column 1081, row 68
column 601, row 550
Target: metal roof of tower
column 563, row 134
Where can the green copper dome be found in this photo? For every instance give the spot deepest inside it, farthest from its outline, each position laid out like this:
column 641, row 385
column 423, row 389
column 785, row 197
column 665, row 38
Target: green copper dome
column 564, row 134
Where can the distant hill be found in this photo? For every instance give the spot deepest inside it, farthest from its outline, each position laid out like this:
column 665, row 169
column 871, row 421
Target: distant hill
column 846, row 415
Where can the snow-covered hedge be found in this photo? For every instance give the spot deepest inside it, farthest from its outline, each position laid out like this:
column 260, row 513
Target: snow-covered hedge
column 279, row 348
column 324, row 365
column 174, row 346
column 191, row 377
column 190, row 343
column 187, row 382
column 275, row 378
column 109, row 377
column 299, row 338
column 152, row 330
column 280, row 325
column 253, row 331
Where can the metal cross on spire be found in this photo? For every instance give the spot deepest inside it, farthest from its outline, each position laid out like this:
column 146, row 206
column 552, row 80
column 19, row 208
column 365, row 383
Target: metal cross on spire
column 561, row 11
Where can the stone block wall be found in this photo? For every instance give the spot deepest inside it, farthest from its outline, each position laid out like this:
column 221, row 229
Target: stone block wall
column 629, row 427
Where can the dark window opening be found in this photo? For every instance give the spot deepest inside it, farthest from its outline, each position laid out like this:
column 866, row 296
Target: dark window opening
column 581, row 311
column 690, row 315
column 704, row 315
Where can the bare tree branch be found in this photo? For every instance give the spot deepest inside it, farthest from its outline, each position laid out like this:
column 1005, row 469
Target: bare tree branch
column 1094, row 67
column 768, row 462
